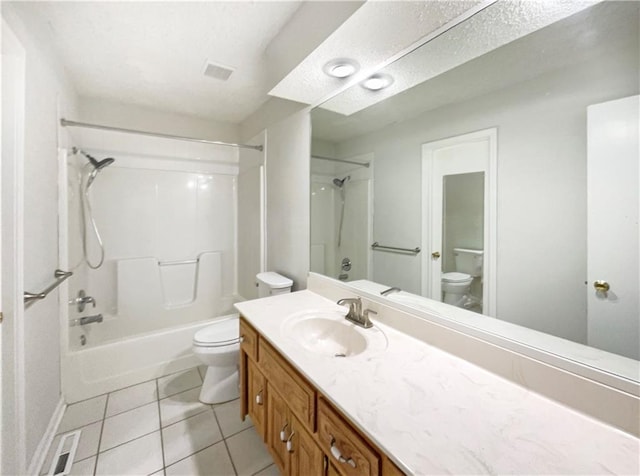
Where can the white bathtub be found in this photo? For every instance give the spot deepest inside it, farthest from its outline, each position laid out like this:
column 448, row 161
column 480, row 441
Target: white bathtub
column 104, row 368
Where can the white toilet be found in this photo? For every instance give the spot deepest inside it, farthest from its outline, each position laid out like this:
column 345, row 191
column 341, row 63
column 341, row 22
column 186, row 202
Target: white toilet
column 457, row 284
column 218, row 346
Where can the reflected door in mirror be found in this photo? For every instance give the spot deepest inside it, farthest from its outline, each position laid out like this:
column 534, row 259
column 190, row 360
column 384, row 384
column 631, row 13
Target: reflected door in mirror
column 456, row 219
column 612, row 227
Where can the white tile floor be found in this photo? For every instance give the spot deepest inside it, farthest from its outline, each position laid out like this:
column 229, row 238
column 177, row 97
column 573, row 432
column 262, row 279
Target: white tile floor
column 160, row 428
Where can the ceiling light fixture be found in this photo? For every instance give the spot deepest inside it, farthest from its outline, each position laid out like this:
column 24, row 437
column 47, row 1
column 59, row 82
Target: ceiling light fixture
column 377, row 82
column 341, row 68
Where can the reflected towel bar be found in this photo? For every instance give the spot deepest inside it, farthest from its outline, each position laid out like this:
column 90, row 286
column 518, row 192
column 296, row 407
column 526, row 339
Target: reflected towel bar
column 379, row 247
column 172, row 263
column 30, row 298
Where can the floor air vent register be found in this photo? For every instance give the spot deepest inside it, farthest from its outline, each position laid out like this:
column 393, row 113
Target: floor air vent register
column 65, row 453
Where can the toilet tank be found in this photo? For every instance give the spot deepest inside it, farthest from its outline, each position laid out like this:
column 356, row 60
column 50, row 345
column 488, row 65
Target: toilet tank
column 468, row 261
column 271, row 284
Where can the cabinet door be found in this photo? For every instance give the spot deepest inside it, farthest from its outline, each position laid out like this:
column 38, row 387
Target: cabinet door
column 277, row 423
column 244, row 384
column 306, row 457
column 349, row 452
column 332, row 471
column 256, row 399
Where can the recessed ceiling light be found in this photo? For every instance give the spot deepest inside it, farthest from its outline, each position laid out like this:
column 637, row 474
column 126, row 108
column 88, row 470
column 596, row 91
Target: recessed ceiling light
column 377, row 82
column 341, row 68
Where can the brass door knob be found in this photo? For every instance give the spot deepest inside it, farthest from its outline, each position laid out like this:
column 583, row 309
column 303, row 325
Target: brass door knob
column 601, row 286
column 435, row 255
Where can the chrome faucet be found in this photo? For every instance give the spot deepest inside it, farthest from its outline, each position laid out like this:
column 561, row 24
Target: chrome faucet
column 355, row 314
column 390, row 290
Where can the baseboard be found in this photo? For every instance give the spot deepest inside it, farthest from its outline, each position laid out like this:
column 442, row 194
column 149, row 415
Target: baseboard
column 35, row 467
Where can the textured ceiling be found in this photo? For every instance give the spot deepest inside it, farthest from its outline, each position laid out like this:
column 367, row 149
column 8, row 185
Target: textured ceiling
column 590, row 37
column 153, row 53
column 489, row 29
column 377, row 31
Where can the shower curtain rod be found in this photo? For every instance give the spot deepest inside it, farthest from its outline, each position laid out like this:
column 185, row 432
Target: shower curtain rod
column 362, row 164
column 66, row 123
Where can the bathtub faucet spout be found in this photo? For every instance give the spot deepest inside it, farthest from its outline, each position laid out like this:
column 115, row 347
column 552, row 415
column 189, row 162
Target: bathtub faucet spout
column 86, row 320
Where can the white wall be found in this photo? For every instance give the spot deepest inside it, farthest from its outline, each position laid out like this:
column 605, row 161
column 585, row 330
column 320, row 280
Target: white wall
column 541, row 188
column 251, row 218
column 271, row 112
column 287, row 197
column 128, row 116
column 48, row 96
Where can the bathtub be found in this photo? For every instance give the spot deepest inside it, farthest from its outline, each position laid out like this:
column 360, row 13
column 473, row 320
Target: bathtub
column 93, row 371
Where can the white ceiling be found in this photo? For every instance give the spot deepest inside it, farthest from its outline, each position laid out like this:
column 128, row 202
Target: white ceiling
column 497, row 25
column 583, row 38
column 376, row 32
column 153, row 53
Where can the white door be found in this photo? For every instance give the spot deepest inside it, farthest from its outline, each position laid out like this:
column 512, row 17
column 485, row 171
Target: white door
column 473, row 153
column 612, row 204
column 12, row 436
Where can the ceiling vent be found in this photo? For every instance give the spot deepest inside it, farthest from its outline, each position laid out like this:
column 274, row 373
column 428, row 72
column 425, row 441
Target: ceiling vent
column 217, row 71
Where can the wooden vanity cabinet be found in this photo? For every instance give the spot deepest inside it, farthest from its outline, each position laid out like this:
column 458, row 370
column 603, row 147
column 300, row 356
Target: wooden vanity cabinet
column 352, row 455
column 257, row 397
column 293, row 448
column 305, row 435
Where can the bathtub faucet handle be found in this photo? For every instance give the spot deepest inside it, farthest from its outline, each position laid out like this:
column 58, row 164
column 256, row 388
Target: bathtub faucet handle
column 82, row 300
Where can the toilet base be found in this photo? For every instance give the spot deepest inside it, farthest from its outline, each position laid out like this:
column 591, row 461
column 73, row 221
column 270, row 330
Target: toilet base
column 220, row 385
column 454, row 299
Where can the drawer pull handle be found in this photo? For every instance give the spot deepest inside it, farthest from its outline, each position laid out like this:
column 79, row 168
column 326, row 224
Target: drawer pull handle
column 290, row 443
column 259, row 398
column 338, row 455
column 283, row 435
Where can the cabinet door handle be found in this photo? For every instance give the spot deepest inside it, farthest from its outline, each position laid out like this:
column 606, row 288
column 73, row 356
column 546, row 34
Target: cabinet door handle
column 283, row 435
column 338, row 455
column 290, row 443
column 259, row 398
column 242, row 338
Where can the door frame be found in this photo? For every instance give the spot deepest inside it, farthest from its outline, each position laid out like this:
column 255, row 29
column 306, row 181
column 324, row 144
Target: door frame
column 12, row 396
column 490, row 216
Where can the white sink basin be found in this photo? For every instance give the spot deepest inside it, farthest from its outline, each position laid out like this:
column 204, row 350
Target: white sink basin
column 326, row 332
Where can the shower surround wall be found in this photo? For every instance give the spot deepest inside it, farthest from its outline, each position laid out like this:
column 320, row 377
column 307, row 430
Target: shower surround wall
column 168, row 223
column 326, row 209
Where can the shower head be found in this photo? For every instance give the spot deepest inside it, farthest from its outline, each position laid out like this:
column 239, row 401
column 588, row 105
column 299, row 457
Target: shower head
column 103, row 163
column 340, row 182
column 98, row 165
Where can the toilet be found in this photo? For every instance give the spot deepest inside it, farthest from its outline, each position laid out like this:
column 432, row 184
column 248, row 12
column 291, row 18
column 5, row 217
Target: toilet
column 457, row 284
column 218, row 346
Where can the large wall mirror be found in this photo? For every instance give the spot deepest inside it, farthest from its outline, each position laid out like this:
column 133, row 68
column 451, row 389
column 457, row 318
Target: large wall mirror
column 497, row 174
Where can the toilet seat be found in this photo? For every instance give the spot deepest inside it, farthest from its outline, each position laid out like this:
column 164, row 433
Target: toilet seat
column 219, row 334
column 455, row 277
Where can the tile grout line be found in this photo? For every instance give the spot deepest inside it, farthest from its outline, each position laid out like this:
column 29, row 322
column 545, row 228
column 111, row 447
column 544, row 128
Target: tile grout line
column 104, row 414
column 139, row 383
column 164, row 471
column 201, row 449
column 224, row 440
column 128, row 441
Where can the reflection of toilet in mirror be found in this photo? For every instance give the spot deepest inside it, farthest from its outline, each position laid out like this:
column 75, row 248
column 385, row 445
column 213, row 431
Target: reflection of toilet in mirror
column 456, row 285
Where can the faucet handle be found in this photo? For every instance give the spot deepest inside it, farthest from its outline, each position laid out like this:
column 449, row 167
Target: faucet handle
column 366, row 322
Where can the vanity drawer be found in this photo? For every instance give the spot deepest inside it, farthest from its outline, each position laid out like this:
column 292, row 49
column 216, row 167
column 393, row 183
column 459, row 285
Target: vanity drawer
column 301, row 397
column 248, row 339
column 349, row 452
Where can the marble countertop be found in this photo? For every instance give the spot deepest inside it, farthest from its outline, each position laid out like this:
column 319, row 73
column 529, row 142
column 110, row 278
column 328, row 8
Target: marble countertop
column 434, row 413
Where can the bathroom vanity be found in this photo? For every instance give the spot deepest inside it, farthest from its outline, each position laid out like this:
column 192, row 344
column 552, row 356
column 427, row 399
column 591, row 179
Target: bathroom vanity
column 388, row 403
column 301, row 428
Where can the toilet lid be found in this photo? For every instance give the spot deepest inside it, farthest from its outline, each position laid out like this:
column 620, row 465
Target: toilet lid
column 455, row 277
column 220, row 333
